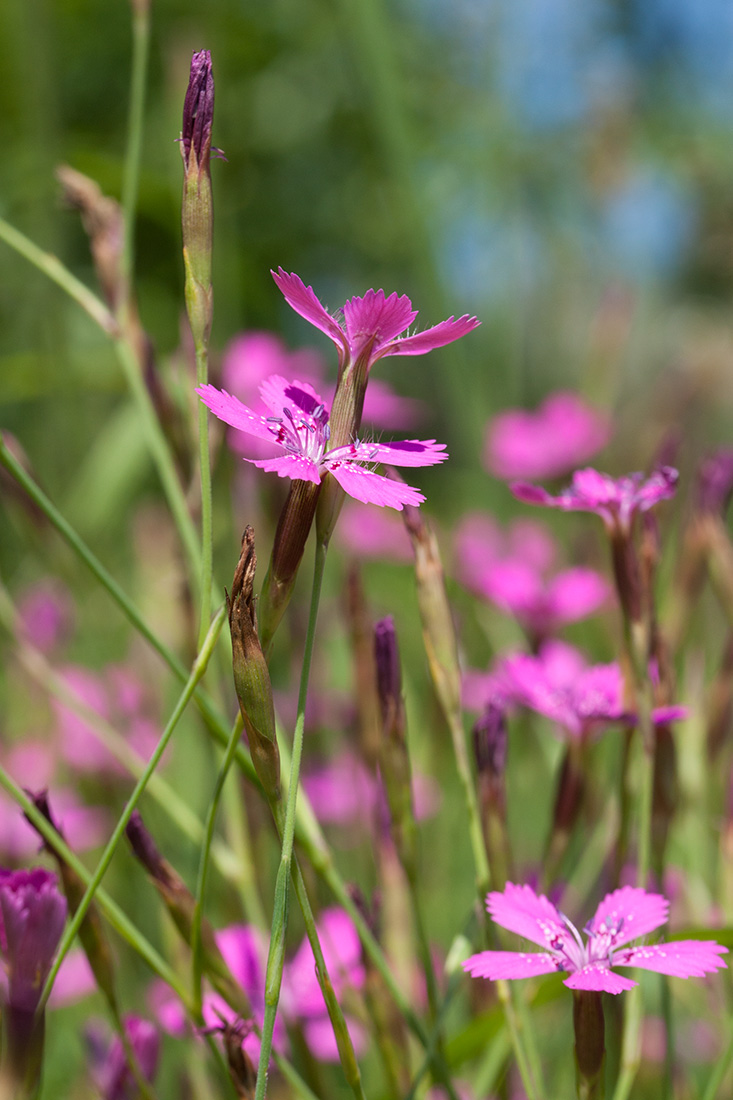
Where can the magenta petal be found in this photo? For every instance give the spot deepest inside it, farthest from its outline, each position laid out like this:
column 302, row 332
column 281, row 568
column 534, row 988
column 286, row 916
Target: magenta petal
column 509, row 964
column 232, row 411
column 376, row 319
column 279, row 393
column 437, row 337
column 532, row 494
column 679, row 959
column 304, row 301
column 371, row 488
column 672, row 713
column 294, row 466
column 575, row 593
column 520, row 910
column 406, row 452
column 628, row 913
column 598, row 978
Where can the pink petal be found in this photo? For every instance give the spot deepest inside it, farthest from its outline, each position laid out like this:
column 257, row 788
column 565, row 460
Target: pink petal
column 405, row 452
column 513, row 586
column 533, row 494
column 563, row 432
column 437, row 337
column 679, row 959
column 509, row 964
column 387, row 409
column 294, row 466
column 321, row 1042
column 375, row 320
column 372, row 488
column 575, row 593
column 279, row 393
column 520, row 910
column 597, row 977
column 233, row 412
column 368, row 534
column 631, row 912
column 304, row 301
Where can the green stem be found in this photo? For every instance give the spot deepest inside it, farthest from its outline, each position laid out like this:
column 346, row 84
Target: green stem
column 196, row 944
column 135, row 119
column 52, row 267
column 276, row 954
column 198, row 670
column 722, row 1066
column 115, row 916
column 127, row 356
column 207, row 530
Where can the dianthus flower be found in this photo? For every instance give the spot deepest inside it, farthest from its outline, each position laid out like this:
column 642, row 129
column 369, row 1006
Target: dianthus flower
column 615, row 500
column 369, row 328
column 551, row 441
column 298, row 425
column 621, row 917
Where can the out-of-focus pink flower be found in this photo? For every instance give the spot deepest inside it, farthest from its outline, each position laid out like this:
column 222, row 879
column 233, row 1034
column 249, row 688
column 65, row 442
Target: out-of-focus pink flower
column 344, row 792
column 84, row 827
column 297, row 426
column 74, row 980
column 116, row 696
column 558, row 683
column 302, row 994
column 621, row 917
column 715, row 482
column 511, row 570
column 364, row 533
column 111, row 1073
column 372, row 326
column 46, row 614
column 615, row 500
column 563, row 432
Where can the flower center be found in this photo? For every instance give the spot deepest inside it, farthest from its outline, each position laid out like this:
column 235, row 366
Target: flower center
column 302, row 433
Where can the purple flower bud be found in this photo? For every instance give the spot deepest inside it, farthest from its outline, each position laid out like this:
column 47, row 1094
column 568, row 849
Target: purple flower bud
column 490, row 741
column 198, row 113
column 389, row 678
column 715, row 481
column 110, row 1068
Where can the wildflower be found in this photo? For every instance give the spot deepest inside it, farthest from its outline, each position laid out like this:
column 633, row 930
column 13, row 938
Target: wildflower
column 371, row 327
column 616, row 501
column 512, row 571
column 551, row 441
column 32, row 916
column 364, row 533
column 558, row 683
column 112, row 1074
column 298, row 425
column 621, row 917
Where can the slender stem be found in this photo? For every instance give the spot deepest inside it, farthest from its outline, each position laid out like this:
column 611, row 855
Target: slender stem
column 276, row 955
column 196, row 944
column 115, row 916
column 207, row 530
column 52, row 267
column 135, row 120
column 198, row 670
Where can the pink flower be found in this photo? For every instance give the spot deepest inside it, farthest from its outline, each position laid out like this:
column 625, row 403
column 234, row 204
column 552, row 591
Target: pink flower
column 253, row 357
column 563, row 432
column 110, row 1069
column 616, row 501
column 302, row 996
column 45, row 614
column 511, row 570
column 371, row 326
column 558, row 683
column 622, row 916
column 364, row 533
column 298, row 426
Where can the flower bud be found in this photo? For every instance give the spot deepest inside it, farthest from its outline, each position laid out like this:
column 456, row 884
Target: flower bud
column 590, row 1048
column 394, row 758
column 197, row 210
column 490, row 751
column 251, row 675
column 91, row 933
column 291, row 536
column 181, row 904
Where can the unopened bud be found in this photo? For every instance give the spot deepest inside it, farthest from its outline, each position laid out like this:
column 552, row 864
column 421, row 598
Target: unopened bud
column 197, row 210
column 181, row 905
column 251, row 675
column 715, row 482
column 96, row 946
column 439, row 633
column 590, row 1047
column 394, row 758
column 293, row 528
column 490, row 751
